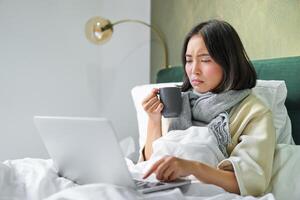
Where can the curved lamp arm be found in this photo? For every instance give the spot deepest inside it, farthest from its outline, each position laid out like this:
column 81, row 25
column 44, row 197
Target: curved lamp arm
column 99, row 30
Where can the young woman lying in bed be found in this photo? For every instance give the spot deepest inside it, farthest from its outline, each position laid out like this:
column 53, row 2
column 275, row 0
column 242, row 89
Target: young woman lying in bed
column 216, row 93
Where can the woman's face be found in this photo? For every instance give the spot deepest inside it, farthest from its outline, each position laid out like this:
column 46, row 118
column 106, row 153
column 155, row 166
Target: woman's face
column 203, row 72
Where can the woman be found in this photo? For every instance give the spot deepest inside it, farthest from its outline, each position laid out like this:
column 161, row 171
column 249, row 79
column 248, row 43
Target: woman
column 218, row 78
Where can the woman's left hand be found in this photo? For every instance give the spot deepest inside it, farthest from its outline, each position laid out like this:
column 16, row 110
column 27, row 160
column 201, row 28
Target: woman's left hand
column 170, row 168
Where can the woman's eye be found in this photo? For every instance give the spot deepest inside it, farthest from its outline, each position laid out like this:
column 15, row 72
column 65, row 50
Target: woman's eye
column 205, row 60
column 189, row 61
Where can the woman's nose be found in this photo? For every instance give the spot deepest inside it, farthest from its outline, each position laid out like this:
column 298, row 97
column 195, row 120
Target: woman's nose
column 196, row 68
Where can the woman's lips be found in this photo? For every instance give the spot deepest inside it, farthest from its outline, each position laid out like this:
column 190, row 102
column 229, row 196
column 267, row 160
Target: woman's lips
column 197, row 82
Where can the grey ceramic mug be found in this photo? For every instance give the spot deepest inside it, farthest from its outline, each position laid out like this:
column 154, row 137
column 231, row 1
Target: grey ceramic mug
column 171, row 98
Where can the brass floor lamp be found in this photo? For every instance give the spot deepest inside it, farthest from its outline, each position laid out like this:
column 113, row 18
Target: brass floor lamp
column 99, row 30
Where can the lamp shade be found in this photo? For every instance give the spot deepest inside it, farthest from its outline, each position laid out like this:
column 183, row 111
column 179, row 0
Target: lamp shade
column 98, row 30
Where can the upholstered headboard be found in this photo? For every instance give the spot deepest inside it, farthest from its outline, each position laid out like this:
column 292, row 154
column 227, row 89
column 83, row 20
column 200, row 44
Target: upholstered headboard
column 287, row 69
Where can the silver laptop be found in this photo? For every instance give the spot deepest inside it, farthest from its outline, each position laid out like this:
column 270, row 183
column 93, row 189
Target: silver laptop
column 86, row 150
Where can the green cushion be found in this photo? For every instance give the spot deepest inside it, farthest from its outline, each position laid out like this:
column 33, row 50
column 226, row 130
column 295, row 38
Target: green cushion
column 287, row 69
column 172, row 74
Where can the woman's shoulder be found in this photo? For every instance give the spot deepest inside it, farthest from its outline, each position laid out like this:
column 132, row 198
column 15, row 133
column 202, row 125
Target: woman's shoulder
column 251, row 105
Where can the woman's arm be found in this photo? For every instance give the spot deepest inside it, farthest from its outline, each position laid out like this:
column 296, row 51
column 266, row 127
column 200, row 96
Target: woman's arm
column 153, row 108
column 211, row 175
column 170, row 168
column 153, row 133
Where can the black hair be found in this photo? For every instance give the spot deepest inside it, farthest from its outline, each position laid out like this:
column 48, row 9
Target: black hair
column 226, row 49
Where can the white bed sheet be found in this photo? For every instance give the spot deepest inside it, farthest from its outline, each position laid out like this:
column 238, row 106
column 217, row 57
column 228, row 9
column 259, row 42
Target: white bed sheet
column 35, row 179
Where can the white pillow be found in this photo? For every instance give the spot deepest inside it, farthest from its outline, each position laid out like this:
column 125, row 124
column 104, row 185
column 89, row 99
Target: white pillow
column 285, row 182
column 272, row 92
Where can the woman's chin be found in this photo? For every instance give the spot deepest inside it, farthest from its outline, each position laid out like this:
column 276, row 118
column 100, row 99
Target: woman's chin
column 200, row 89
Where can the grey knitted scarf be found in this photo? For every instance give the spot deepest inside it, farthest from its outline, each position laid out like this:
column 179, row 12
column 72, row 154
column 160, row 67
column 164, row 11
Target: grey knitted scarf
column 211, row 110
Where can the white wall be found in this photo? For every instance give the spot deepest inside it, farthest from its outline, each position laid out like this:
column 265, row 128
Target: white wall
column 47, row 67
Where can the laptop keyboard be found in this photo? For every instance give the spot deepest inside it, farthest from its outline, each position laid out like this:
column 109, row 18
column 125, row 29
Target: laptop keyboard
column 146, row 184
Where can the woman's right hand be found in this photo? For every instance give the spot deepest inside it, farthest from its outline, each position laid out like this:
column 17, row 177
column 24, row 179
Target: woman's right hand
column 152, row 105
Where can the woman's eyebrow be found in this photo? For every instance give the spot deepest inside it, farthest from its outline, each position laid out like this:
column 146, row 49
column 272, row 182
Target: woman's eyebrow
column 202, row 54
column 199, row 55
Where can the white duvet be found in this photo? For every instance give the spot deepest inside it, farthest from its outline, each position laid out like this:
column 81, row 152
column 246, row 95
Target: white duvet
column 194, row 143
column 35, row 179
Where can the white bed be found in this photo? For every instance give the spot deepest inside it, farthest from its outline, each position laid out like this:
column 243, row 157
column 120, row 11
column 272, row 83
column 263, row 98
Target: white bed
column 35, row 179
